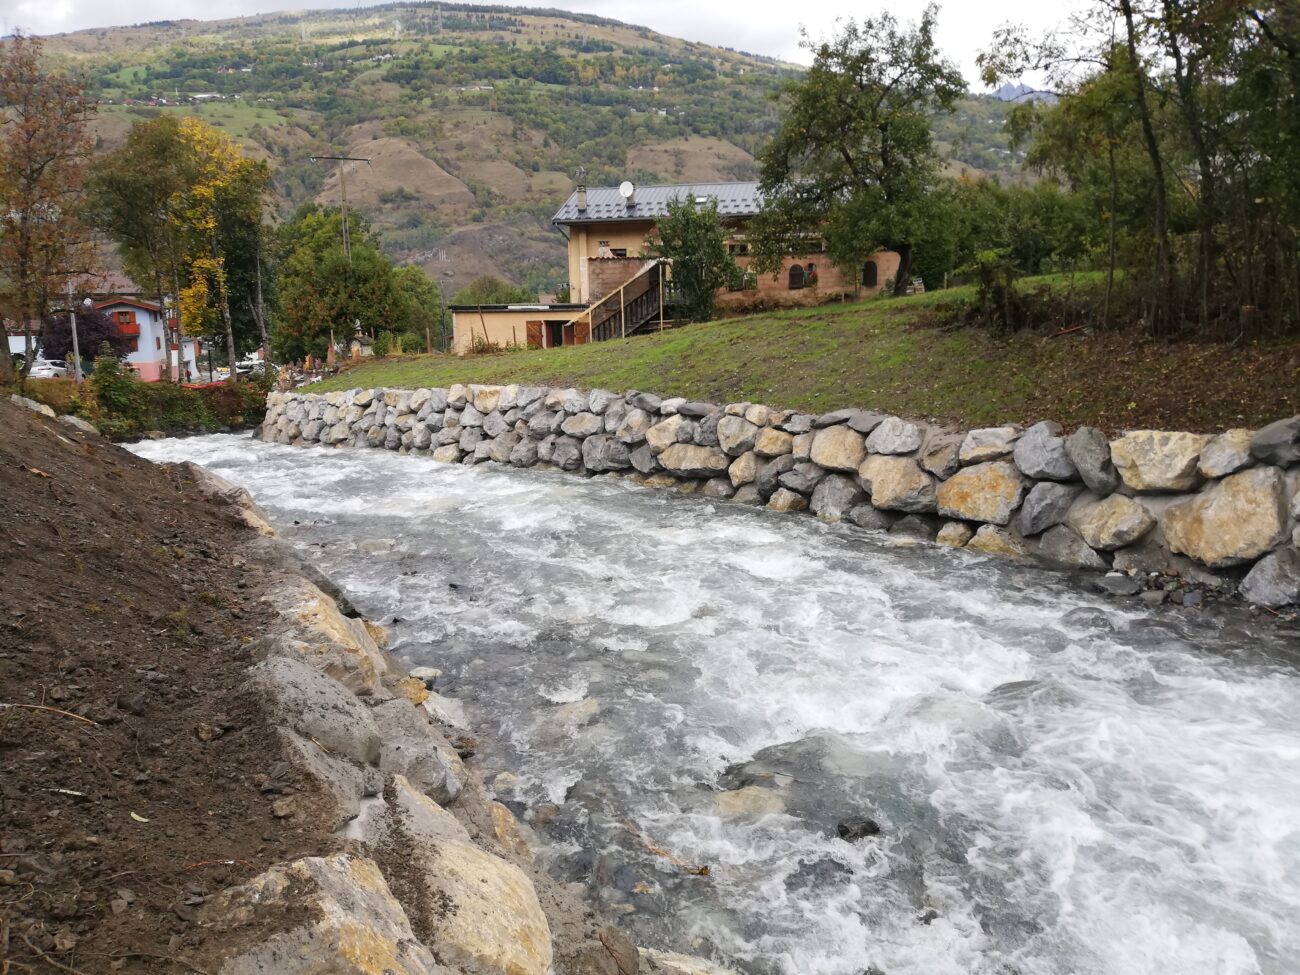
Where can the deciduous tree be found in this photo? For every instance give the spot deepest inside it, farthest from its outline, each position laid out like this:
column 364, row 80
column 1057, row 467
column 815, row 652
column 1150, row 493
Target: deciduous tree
column 692, row 237
column 853, row 161
column 43, row 151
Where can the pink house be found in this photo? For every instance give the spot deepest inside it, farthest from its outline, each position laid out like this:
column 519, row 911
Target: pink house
column 143, row 322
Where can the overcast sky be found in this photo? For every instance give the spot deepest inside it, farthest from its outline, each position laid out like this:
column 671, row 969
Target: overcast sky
column 761, row 26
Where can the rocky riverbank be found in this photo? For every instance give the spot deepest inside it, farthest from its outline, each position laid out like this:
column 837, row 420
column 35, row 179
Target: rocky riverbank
column 1165, row 516
column 214, row 763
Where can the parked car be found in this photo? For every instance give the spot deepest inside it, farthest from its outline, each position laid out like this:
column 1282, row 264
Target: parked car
column 47, row 369
column 246, row 367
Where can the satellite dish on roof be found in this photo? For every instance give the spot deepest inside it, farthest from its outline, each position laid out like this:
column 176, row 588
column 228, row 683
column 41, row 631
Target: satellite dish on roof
column 626, row 189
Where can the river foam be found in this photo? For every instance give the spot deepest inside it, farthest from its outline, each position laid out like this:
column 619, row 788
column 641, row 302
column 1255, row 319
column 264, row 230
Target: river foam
column 1062, row 785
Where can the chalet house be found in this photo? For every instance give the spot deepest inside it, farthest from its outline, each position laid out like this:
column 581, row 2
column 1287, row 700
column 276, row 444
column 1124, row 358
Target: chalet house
column 618, row 290
column 142, row 322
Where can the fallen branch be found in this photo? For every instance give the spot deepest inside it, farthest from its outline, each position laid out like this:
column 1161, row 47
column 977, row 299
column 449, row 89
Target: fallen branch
column 1067, row 331
column 699, row 871
column 42, row 707
column 50, row 961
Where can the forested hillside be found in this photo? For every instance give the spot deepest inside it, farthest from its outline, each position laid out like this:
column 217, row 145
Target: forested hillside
column 474, row 119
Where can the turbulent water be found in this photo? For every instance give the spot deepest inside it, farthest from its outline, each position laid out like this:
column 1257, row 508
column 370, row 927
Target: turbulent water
column 1062, row 785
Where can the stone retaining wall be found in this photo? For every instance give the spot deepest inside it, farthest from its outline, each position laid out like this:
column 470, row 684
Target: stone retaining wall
column 1167, row 514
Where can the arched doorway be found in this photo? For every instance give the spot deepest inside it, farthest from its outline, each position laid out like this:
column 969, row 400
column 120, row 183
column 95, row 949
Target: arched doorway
column 870, row 274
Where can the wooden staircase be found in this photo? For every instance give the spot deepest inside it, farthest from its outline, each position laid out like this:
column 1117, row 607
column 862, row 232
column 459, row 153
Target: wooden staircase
column 636, row 307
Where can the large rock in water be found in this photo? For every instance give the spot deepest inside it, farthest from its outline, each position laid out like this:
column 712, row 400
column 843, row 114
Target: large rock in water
column 1275, row 580
column 771, row 442
column 690, row 460
column 1156, row 460
column 1063, row 546
column 347, row 922
column 898, row 484
column 1111, row 523
column 786, row 500
column 667, row 432
column 838, row 449
column 894, row 436
column 1040, row 453
column 1278, row 443
column 992, row 540
column 987, row 492
column 835, row 495
column 1235, row 521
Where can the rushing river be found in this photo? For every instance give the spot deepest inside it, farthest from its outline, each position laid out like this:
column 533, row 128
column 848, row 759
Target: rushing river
column 1064, row 784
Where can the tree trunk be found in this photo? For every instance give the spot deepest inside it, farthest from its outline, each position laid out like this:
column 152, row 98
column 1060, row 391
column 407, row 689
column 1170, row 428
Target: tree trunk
column 1164, row 306
column 904, row 276
column 1110, row 243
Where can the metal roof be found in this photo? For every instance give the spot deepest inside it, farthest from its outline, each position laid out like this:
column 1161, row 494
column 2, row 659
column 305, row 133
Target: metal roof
column 604, row 203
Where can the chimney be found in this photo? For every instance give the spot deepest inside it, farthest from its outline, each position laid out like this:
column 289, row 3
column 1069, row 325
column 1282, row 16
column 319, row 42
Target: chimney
column 582, row 199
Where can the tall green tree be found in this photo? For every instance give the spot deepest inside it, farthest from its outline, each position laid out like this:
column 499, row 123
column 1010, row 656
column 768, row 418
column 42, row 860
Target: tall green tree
column 419, row 306
column 44, row 147
column 320, row 292
column 693, row 239
column 488, row 289
column 853, row 161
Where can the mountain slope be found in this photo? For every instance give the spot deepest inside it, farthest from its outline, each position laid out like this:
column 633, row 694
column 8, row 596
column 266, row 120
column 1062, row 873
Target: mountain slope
column 474, row 119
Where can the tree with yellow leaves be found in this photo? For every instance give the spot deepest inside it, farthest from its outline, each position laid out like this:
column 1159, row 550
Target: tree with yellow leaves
column 217, row 213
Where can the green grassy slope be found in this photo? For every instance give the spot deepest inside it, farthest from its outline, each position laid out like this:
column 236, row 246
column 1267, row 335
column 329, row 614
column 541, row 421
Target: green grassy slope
column 883, row 354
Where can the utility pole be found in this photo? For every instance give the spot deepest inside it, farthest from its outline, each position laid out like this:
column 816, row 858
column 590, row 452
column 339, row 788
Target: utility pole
column 76, row 349
column 343, row 188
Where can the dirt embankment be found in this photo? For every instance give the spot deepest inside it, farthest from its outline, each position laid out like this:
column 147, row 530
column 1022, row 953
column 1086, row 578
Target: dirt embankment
column 133, row 775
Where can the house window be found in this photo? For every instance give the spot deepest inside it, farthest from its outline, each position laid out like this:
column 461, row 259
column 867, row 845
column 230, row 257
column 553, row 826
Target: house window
column 796, row 277
column 618, row 251
column 134, row 346
column 738, row 250
column 870, row 274
column 157, row 343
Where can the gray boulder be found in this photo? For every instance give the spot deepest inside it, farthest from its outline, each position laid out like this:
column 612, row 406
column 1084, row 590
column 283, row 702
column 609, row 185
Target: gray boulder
column 500, row 448
column 835, row 495
column 872, row 519
column 317, row 707
column 1275, row 580
column 736, row 435
column 798, row 423
column 567, row 454
column 831, row 419
column 546, row 422
column 696, row 409
column 1040, row 453
column 1061, row 545
column 644, row 459
column 717, row 487
column 524, row 454
column 470, row 417
column 648, row 402
column 494, row 424
column 604, row 452
column 917, row 526
column 940, row 455
column 1089, row 451
column 1046, row 504
column 582, row 425
column 894, row 436
column 865, row 421
column 411, row 746
column 632, row 429
column 470, row 437
column 768, row 478
column 1278, row 443
column 706, row 429
column 692, row 460
column 598, row 400
column 802, row 478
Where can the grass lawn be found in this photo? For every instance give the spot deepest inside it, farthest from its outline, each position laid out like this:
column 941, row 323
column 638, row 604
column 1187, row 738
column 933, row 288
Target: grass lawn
column 883, row 355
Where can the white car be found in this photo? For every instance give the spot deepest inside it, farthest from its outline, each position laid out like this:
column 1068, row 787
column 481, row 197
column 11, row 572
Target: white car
column 47, row 369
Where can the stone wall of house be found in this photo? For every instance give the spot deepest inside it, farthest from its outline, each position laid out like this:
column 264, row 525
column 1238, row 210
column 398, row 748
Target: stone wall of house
column 1167, row 515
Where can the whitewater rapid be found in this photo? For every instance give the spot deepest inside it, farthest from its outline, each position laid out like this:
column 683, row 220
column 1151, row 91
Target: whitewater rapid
column 1064, row 784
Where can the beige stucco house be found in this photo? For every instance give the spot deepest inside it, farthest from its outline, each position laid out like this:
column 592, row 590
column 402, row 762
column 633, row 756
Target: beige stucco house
column 616, row 289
